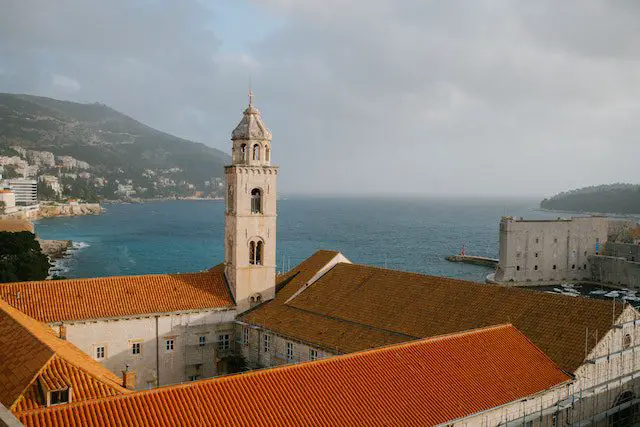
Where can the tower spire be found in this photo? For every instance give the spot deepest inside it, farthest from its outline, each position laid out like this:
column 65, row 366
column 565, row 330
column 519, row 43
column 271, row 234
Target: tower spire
column 250, row 94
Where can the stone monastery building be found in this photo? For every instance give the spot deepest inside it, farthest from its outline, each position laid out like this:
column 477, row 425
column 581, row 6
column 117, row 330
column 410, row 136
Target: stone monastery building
column 327, row 343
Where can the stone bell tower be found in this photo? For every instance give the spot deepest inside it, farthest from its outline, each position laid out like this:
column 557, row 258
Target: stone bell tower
column 250, row 219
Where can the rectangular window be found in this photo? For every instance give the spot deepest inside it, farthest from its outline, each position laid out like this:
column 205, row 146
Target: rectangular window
column 135, row 348
column 202, row 340
column 59, row 396
column 245, row 335
column 313, row 354
column 100, row 352
column 223, row 342
column 169, row 344
column 194, row 377
column 289, row 351
column 266, row 343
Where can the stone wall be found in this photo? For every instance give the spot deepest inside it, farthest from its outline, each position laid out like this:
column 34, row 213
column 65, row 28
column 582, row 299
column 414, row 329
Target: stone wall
column 615, row 271
column 624, row 250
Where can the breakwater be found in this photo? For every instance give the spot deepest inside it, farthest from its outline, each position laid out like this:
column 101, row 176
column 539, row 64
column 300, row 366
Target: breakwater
column 475, row 260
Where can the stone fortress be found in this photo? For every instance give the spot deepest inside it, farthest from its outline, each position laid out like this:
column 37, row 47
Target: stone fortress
column 571, row 249
column 344, row 344
column 549, row 250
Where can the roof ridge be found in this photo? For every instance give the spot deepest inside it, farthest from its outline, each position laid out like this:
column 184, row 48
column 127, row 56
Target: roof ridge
column 38, row 373
column 8, row 308
column 56, row 346
column 94, row 279
column 472, row 283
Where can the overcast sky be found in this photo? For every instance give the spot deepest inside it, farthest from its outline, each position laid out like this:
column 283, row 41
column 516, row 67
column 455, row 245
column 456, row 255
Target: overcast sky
column 481, row 97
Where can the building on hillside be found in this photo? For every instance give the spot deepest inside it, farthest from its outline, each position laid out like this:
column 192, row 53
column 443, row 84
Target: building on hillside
column 52, row 182
column 7, row 202
column 26, row 191
column 38, row 369
column 425, row 382
column 175, row 328
column 549, row 250
column 68, row 162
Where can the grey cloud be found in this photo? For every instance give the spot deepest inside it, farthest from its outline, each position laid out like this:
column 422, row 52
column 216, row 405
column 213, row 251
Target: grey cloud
column 465, row 97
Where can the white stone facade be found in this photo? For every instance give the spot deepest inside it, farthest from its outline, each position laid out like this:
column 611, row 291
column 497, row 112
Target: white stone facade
column 262, row 348
column 549, row 250
column 155, row 360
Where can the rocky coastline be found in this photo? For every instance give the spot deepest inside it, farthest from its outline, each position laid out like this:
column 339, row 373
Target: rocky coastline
column 55, row 249
column 49, row 211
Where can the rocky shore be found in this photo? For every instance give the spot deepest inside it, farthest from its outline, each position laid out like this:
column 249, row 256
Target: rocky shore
column 54, row 249
column 48, row 211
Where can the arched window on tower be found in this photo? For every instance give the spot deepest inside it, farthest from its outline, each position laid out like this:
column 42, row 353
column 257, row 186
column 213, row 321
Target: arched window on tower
column 267, row 154
column 256, row 152
column 259, row 254
column 243, row 153
column 256, row 201
column 252, row 252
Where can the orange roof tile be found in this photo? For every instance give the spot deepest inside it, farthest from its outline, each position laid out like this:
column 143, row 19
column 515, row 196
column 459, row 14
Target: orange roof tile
column 356, row 307
column 105, row 297
column 424, row 382
column 31, row 353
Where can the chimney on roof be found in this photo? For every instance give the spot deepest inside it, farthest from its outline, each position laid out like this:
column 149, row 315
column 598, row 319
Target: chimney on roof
column 63, row 332
column 128, row 378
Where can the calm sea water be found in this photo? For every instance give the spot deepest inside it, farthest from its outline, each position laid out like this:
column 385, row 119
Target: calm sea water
column 182, row 236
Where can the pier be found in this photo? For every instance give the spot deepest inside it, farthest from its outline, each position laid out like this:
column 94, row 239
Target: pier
column 476, row 260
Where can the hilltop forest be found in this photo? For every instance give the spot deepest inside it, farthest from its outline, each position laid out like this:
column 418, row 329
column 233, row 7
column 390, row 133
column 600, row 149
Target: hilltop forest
column 610, row 198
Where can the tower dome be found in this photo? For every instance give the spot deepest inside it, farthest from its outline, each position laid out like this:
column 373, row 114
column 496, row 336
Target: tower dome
column 251, row 127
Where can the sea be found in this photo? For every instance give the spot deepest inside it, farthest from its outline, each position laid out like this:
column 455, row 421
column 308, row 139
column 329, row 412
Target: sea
column 403, row 233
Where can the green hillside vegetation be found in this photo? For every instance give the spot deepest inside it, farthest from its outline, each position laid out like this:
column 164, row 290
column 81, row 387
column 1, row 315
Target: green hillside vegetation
column 115, row 145
column 21, row 258
column 611, row 198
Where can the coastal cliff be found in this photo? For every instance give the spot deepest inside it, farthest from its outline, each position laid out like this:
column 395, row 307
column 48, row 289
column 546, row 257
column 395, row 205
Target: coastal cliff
column 47, row 211
column 54, row 249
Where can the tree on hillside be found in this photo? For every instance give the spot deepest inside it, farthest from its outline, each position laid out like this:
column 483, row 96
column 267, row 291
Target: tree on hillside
column 21, row 258
column 45, row 192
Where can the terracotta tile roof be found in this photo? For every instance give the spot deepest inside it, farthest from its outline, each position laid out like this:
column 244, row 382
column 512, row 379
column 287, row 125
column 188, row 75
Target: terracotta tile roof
column 30, row 354
column 337, row 310
column 104, row 297
column 424, row 382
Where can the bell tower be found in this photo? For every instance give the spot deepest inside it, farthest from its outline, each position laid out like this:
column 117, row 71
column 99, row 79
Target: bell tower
column 250, row 218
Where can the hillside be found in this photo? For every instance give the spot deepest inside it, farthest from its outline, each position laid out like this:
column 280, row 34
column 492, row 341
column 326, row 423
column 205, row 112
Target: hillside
column 117, row 147
column 611, row 198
